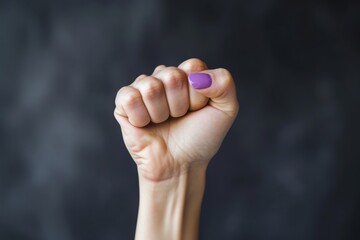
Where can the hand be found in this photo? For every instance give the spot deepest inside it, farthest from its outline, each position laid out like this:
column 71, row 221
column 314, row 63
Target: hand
column 168, row 125
column 172, row 129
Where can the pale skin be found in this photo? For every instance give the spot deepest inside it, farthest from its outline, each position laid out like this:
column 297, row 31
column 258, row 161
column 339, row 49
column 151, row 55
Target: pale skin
column 172, row 131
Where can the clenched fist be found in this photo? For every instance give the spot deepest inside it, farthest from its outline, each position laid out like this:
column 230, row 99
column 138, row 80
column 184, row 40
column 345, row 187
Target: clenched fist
column 173, row 122
column 176, row 118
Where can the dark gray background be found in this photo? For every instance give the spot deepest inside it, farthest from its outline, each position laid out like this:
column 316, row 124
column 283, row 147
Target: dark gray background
column 288, row 168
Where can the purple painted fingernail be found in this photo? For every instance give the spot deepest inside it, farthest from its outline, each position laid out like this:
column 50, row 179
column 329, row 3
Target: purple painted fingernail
column 200, row 80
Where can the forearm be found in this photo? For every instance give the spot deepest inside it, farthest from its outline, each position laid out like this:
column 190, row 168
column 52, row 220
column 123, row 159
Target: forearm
column 170, row 209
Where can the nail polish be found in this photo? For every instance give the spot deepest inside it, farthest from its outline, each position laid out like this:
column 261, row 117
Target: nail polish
column 200, row 80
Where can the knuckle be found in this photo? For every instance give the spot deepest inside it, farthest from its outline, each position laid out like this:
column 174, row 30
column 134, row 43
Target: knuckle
column 174, row 77
column 224, row 73
column 197, row 61
column 194, row 64
column 121, row 90
column 151, row 88
column 120, row 94
column 159, row 67
column 226, row 77
column 140, row 77
column 131, row 98
column 116, row 112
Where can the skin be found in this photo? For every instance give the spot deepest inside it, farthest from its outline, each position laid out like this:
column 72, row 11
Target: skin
column 172, row 131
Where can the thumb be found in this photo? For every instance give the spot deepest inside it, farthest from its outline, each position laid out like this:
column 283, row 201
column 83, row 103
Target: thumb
column 217, row 85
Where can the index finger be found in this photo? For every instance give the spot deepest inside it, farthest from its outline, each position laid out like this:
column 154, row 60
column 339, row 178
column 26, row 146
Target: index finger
column 197, row 100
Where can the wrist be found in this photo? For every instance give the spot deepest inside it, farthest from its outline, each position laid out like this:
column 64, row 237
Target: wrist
column 170, row 209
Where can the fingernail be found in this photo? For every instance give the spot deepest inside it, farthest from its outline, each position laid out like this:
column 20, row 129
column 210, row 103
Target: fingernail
column 200, row 80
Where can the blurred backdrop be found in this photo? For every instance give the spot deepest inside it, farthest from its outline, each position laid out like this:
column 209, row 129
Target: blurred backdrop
column 289, row 168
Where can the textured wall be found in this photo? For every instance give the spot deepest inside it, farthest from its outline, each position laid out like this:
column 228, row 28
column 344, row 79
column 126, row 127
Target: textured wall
column 287, row 170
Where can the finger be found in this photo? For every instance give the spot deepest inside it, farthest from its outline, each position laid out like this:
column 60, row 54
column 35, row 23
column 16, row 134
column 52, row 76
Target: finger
column 197, row 100
column 154, row 98
column 217, row 85
column 158, row 69
column 141, row 77
column 129, row 104
column 175, row 82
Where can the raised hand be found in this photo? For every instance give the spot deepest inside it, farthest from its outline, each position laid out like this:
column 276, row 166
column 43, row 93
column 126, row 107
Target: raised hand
column 173, row 122
column 176, row 118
